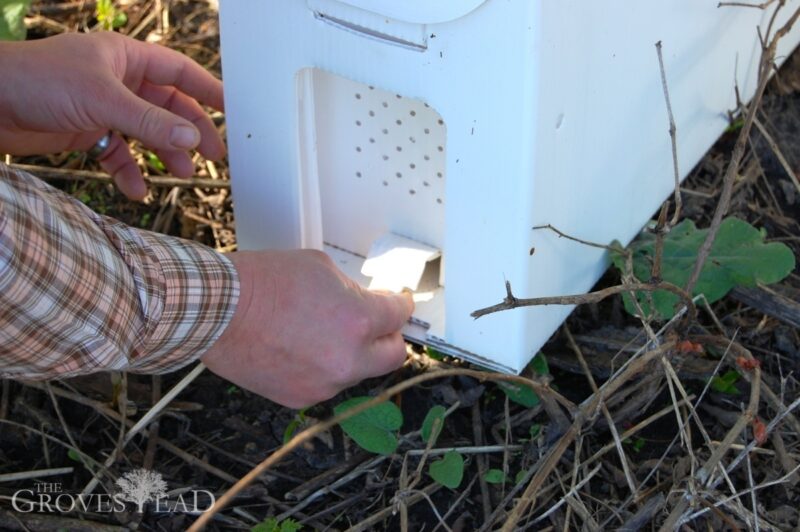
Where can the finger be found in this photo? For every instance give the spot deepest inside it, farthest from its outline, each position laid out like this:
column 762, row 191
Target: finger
column 177, row 162
column 163, row 66
column 389, row 311
column 156, row 127
column 388, row 353
column 211, row 145
column 118, row 161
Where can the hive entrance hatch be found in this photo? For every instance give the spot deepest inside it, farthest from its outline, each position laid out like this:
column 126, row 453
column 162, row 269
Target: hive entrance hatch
column 373, row 168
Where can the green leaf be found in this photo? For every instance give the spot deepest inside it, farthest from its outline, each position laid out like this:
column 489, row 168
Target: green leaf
column 726, row 383
column 739, row 257
column 73, row 455
column 535, row 429
column 736, row 125
column 434, row 414
column 374, row 429
column 155, row 162
column 520, row 476
column 539, row 365
column 120, row 19
column 12, row 19
column 271, row 524
column 434, row 354
column 520, row 394
column 494, row 476
column 449, row 470
column 291, row 428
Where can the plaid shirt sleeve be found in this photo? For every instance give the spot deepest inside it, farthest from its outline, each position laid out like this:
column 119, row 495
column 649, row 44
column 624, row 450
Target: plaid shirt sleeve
column 81, row 292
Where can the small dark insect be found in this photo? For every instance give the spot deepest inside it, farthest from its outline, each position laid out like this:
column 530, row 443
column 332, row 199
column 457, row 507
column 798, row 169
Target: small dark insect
column 532, row 251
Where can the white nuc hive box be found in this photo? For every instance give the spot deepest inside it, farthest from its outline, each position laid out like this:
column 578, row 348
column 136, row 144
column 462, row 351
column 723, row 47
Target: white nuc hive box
column 419, row 142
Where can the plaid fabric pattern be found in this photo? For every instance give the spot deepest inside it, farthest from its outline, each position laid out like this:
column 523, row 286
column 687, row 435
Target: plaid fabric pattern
column 81, row 292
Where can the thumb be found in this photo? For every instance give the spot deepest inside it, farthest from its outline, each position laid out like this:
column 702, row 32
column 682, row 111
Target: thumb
column 389, row 311
column 154, row 126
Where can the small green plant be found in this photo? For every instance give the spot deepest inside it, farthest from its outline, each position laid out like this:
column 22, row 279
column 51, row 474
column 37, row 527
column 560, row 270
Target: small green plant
column 521, row 394
column 435, row 416
column 374, row 429
column 144, row 219
column 12, row 19
column 434, row 354
column 739, row 257
column 494, row 476
column 108, row 16
column 271, row 524
column 636, row 445
column 298, row 421
column 155, row 162
column 449, row 471
column 726, row 383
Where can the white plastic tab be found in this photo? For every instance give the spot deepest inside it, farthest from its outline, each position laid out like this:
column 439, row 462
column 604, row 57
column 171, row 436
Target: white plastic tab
column 395, row 262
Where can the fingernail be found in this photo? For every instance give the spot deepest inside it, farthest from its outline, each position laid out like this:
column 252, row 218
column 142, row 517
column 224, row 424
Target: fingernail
column 184, row 137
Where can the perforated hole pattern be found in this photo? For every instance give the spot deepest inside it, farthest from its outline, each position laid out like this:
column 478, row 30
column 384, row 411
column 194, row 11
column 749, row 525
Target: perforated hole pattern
column 381, row 161
column 398, row 142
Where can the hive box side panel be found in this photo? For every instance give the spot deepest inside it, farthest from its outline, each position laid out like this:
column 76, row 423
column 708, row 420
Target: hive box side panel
column 604, row 161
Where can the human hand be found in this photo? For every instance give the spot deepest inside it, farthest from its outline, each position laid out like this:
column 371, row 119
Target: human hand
column 303, row 331
column 66, row 92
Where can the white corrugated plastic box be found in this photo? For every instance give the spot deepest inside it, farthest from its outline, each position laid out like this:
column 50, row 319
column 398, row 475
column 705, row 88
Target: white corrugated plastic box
column 432, row 136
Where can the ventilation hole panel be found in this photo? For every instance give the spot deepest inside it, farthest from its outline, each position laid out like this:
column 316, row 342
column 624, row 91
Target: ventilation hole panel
column 367, row 142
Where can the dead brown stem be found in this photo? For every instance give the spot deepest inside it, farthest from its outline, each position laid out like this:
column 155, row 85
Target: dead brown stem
column 512, row 302
column 45, row 172
column 673, row 140
column 585, row 412
column 728, row 180
column 703, row 475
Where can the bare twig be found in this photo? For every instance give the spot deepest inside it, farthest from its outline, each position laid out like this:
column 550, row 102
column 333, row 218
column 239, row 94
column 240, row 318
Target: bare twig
column 778, row 153
column 611, row 425
column 37, row 473
column 477, row 433
column 145, row 420
column 371, row 521
column 512, row 302
column 46, row 172
column 762, row 5
column 673, row 138
column 586, row 410
column 703, row 475
column 765, row 66
column 614, row 249
column 571, row 492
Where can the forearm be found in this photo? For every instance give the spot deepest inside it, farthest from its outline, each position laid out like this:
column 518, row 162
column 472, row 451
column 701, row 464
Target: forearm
column 80, row 292
column 9, row 54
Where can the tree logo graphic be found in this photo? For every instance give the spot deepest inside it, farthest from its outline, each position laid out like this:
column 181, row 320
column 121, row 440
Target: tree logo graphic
column 141, row 486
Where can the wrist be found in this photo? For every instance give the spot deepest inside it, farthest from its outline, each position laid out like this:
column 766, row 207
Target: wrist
column 236, row 328
column 9, row 52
